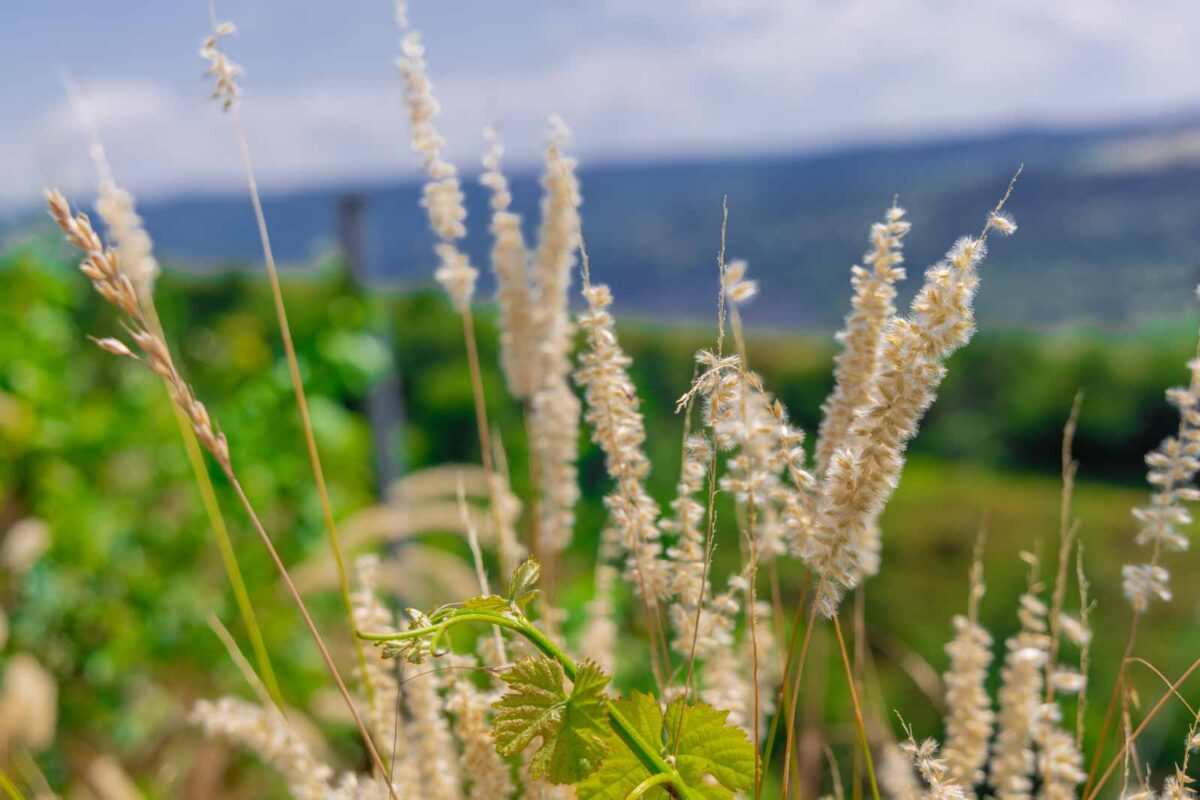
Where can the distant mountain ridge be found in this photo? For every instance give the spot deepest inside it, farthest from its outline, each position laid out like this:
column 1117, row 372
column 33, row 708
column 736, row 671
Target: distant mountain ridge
column 1104, row 239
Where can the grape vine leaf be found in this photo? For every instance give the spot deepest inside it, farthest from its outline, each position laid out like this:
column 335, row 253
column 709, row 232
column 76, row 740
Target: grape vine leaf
column 487, row 602
column 523, row 586
column 714, row 759
column 574, row 727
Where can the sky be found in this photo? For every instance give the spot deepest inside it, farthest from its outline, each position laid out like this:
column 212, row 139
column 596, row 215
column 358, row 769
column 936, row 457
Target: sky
column 635, row 80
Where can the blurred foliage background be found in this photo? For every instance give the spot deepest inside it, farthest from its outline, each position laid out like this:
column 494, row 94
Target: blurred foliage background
column 116, row 608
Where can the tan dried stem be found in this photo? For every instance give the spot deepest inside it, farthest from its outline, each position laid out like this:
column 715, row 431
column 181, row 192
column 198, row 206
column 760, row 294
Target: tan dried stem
column 116, row 207
column 225, row 74
column 1067, row 529
column 101, row 265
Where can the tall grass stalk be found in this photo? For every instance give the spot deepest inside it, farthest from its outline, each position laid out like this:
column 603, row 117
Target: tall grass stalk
column 1172, row 469
column 10, row 788
column 118, row 211
column 310, row 439
column 790, row 739
column 603, row 364
column 711, row 517
column 858, row 714
column 226, row 91
column 1129, row 740
column 102, row 266
column 750, row 528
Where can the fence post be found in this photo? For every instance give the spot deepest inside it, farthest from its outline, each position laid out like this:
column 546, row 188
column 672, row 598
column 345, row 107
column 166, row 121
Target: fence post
column 384, row 401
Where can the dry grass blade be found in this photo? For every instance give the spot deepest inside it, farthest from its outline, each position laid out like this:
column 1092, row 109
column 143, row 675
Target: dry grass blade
column 118, row 210
column 1129, row 740
column 1067, row 530
column 10, row 788
column 226, row 90
column 102, row 266
column 858, row 714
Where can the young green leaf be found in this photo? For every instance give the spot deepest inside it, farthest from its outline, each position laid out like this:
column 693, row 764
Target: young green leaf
column 487, row 602
column 523, row 586
column 708, row 746
column 621, row 771
column 573, row 726
column 715, row 760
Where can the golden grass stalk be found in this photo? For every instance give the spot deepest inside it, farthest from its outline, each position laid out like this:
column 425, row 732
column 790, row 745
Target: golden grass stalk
column 857, row 705
column 872, row 308
column 443, row 202
column 969, row 715
column 135, row 250
column 10, row 788
column 510, row 263
column 102, row 266
column 554, row 418
column 862, row 475
column 1130, row 739
column 619, row 430
column 225, row 73
column 1173, row 466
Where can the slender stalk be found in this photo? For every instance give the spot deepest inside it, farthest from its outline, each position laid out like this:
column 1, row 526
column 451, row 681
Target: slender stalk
column 310, row 440
column 479, row 400
column 783, row 704
column 244, row 666
column 376, row 760
column 241, row 596
column 751, row 536
column 143, row 283
column 1167, row 695
column 711, row 516
column 9, row 787
column 212, row 508
column 858, row 715
column 103, row 269
column 791, row 727
column 1066, row 541
column 860, row 630
column 646, row 785
column 1110, row 710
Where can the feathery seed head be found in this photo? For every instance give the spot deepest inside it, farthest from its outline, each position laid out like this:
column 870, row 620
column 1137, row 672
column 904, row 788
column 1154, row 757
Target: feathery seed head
column 1001, row 222
column 736, row 286
column 223, row 71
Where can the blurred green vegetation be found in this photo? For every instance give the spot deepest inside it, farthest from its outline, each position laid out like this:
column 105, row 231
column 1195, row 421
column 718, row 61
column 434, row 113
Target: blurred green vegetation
column 117, row 607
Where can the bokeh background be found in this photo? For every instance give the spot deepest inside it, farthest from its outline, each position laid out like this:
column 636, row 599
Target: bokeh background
column 808, row 117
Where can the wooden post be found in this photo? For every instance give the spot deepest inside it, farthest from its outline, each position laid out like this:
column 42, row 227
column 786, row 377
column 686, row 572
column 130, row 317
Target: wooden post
column 384, row 401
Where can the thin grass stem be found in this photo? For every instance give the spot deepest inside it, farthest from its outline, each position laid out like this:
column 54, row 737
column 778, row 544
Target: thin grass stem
column 310, row 440
column 858, row 715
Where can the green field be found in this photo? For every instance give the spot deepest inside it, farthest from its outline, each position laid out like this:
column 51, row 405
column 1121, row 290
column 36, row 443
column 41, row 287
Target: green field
column 117, row 607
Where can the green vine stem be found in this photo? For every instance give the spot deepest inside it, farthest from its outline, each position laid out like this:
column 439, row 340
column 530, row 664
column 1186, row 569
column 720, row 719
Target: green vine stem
column 662, row 773
column 646, row 785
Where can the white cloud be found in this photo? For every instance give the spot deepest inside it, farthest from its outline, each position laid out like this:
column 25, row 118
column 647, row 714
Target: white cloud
column 637, row 78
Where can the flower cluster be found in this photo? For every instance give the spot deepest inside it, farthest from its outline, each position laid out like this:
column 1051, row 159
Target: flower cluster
column 103, row 268
column 443, row 196
column 934, row 771
column 223, row 71
column 862, row 474
column 1173, row 467
column 1020, row 698
column 510, row 262
column 872, row 308
column 969, row 718
column 554, row 421
column 618, row 428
